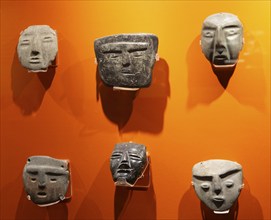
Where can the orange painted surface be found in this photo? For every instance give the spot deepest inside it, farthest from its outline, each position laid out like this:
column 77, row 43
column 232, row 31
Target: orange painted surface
column 184, row 117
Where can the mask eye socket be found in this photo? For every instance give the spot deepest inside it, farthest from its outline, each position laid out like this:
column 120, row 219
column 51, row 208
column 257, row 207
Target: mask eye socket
column 208, row 34
column 116, row 156
column 33, row 180
column 53, row 180
column 229, row 183
column 205, row 187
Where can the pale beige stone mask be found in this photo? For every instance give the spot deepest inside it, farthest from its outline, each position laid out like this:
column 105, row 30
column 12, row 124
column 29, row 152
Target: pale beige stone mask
column 37, row 48
column 222, row 39
column 217, row 183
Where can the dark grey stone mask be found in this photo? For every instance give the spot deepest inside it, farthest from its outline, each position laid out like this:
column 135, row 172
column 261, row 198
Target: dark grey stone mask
column 128, row 162
column 218, row 183
column 37, row 48
column 46, row 179
column 126, row 60
column 222, row 39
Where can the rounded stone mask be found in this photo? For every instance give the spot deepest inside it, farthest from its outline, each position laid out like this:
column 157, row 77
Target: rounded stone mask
column 37, row 48
column 128, row 162
column 217, row 183
column 46, row 179
column 126, row 60
column 222, row 39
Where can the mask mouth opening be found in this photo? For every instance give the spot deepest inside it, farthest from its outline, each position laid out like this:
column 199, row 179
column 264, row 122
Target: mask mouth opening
column 222, row 212
column 124, row 171
column 42, row 194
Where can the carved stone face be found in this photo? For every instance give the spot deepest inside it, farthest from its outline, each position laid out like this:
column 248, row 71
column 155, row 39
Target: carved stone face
column 222, row 39
column 127, row 163
column 126, row 60
column 46, row 179
column 37, row 47
column 217, row 183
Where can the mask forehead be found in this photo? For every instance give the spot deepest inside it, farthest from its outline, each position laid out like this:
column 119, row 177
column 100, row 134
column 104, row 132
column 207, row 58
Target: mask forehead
column 221, row 19
column 38, row 30
column 215, row 167
column 150, row 39
column 131, row 147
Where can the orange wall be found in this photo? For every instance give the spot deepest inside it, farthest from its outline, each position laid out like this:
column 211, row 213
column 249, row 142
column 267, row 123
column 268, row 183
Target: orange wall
column 184, row 117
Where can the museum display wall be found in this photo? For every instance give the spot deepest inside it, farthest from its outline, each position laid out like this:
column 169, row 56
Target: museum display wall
column 188, row 114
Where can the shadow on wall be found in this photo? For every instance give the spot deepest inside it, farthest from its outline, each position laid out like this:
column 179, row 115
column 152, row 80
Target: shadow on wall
column 203, row 86
column 29, row 88
column 246, row 84
column 142, row 110
column 135, row 203
column 247, row 207
column 28, row 210
column 99, row 196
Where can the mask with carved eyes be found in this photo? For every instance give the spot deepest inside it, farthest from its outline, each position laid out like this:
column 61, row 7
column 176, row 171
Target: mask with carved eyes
column 37, row 48
column 128, row 162
column 126, row 60
column 217, row 183
column 222, row 39
column 46, row 179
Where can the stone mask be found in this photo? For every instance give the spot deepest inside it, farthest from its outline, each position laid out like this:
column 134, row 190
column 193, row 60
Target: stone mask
column 37, row 48
column 217, row 183
column 46, row 179
column 126, row 60
column 222, row 39
column 128, row 162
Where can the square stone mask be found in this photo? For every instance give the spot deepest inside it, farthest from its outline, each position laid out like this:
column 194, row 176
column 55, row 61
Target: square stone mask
column 37, row 48
column 126, row 60
column 128, row 162
column 46, row 179
column 217, row 183
column 222, row 39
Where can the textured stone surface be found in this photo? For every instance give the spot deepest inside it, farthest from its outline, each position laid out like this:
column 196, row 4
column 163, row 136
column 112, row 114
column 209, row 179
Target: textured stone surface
column 127, row 164
column 37, row 47
column 222, row 39
column 126, row 60
column 46, row 179
column 217, row 183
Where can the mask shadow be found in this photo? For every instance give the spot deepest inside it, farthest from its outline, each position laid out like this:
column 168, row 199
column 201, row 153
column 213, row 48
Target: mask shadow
column 28, row 89
column 142, row 110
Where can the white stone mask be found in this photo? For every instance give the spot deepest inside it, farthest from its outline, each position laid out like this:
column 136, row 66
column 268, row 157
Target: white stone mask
column 222, row 39
column 217, row 183
column 37, row 48
column 46, row 180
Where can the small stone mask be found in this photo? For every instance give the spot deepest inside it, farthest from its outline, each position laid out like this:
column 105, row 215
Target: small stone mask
column 222, row 39
column 128, row 162
column 217, row 183
column 126, row 60
column 46, row 180
column 37, row 48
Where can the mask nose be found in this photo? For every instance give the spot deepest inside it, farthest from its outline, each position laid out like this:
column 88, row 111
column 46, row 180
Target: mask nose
column 125, row 159
column 220, row 45
column 34, row 53
column 217, row 186
column 41, row 182
column 35, row 49
column 126, row 60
